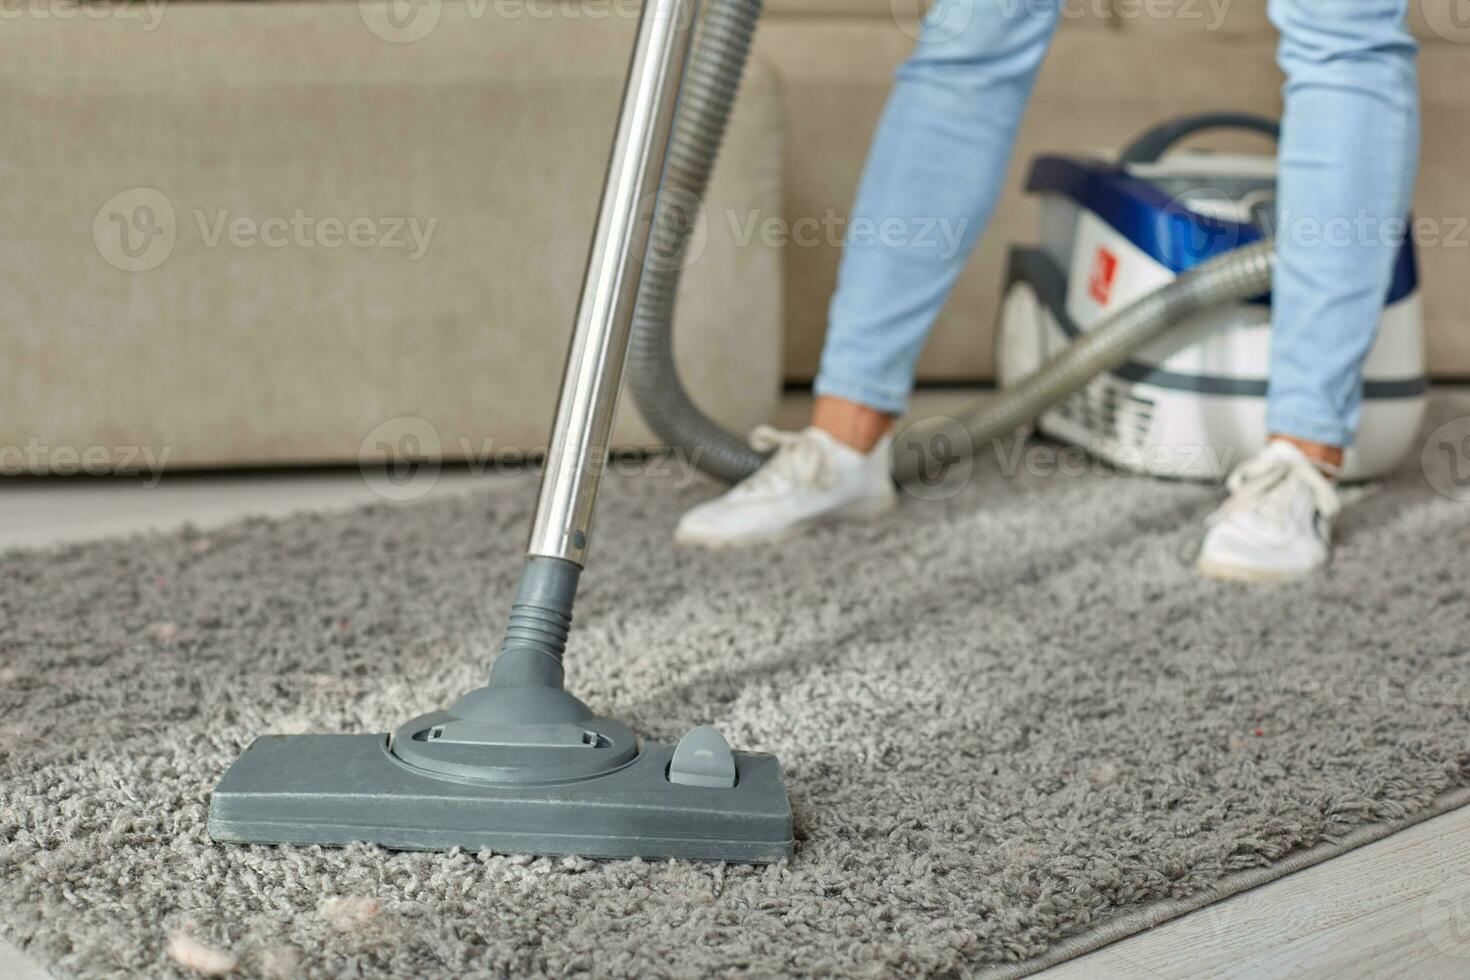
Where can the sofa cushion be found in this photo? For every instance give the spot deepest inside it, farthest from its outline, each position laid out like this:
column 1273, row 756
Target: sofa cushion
column 253, row 340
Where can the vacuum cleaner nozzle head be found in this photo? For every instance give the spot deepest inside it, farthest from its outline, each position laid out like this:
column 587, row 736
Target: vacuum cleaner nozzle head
column 663, row 802
column 519, row 766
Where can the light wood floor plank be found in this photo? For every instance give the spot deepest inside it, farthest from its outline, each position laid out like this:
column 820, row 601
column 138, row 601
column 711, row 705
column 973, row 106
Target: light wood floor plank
column 1398, row 907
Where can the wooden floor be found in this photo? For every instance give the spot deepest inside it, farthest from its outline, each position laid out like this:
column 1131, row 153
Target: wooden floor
column 1396, row 908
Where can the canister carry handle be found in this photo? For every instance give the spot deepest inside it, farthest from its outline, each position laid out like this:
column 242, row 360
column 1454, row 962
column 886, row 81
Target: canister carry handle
column 1148, row 147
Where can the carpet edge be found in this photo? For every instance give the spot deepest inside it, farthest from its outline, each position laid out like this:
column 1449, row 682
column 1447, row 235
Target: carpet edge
column 1236, row 883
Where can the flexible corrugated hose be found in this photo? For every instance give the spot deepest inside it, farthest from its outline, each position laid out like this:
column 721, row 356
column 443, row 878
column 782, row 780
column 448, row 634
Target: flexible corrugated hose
column 1231, row 278
column 711, row 80
column 710, row 85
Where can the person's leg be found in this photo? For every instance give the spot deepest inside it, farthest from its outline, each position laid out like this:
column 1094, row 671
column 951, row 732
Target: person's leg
column 1348, row 157
column 934, row 171
column 1349, row 151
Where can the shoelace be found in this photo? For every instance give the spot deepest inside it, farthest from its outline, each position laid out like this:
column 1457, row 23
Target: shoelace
column 1262, row 483
column 798, row 459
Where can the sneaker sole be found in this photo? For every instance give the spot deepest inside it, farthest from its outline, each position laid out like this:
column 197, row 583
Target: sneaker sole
column 1244, row 573
column 863, row 511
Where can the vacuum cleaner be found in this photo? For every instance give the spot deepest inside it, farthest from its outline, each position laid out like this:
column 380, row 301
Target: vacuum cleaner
column 1192, row 402
column 521, row 765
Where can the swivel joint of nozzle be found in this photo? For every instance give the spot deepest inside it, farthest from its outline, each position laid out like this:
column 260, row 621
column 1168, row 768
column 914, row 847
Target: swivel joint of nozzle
column 526, row 679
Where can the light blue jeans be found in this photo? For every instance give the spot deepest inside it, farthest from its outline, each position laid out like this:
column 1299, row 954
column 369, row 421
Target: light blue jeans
column 1348, row 157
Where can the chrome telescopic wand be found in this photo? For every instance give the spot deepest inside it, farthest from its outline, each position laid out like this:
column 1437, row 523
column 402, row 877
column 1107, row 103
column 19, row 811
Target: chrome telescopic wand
column 578, row 449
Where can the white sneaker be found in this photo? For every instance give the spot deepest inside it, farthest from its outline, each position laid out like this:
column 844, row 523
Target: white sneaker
column 811, row 479
column 1277, row 523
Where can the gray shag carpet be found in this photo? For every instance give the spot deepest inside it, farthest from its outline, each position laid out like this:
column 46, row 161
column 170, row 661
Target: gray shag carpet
column 1012, row 722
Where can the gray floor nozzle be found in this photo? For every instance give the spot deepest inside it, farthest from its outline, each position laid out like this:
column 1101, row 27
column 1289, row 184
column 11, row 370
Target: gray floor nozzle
column 517, row 766
column 521, row 765
column 339, row 789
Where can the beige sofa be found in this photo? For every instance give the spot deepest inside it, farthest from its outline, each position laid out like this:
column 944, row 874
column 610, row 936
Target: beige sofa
column 495, row 125
column 262, row 138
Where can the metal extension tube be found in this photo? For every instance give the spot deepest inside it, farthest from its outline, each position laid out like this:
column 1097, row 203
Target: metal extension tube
column 594, row 367
column 577, row 454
